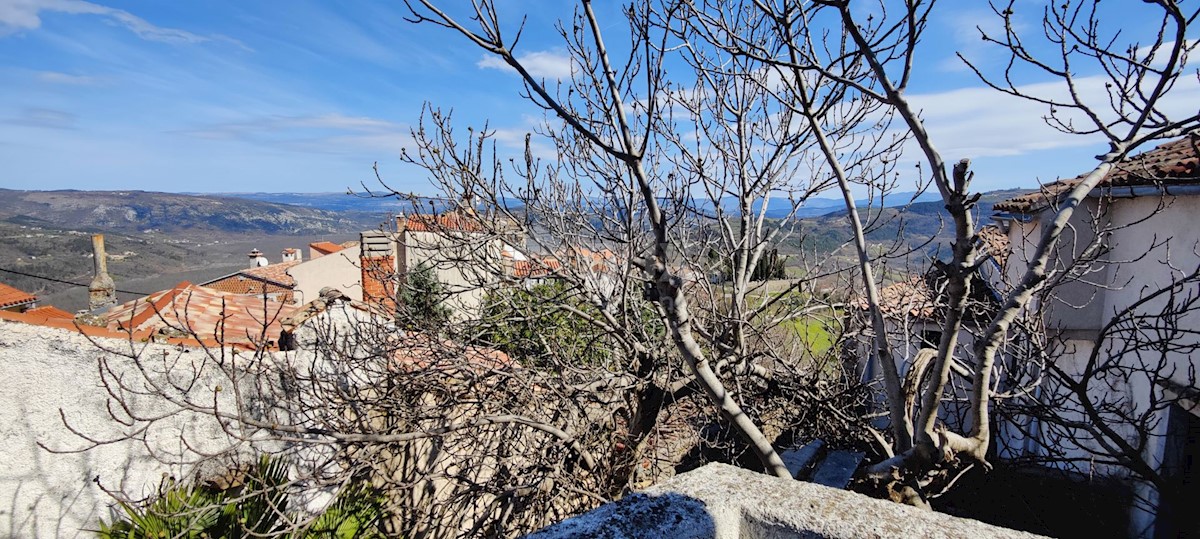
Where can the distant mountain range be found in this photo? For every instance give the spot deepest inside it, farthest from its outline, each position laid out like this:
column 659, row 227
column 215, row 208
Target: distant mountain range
column 141, row 211
column 818, row 206
column 333, row 202
column 924, row 225
column 343, row 202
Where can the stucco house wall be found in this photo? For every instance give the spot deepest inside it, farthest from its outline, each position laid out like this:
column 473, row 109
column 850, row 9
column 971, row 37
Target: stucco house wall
column 1154, row 239
column 1074, row 306
column 338, row 270
column 468, row 264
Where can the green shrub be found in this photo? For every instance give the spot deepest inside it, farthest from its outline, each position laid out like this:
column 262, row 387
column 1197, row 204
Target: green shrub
column 257, row 506
column 533, row 326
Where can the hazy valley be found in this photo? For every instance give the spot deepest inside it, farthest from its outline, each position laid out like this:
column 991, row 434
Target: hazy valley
column 154, row 240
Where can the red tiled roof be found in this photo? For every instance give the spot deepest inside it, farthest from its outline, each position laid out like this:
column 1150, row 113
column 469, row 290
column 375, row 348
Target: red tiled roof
column 207, row 314
column 272, row 279
column 582, row 257
column 11, row 297
column 525, row 269
column 451, row 221
column 906, row 298
column 1174, row 163
column 325, row 247
column 93, row 331
column 240, row 284
column 274, row 273
column 49, row 312
column 995, row 242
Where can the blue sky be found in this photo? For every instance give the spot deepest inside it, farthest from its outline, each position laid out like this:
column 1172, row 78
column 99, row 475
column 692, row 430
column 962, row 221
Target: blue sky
column 303, row 96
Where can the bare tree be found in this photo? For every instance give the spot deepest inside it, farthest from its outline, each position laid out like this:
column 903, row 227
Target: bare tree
column 824, row 70
column 672, row 177
column 1130, row 111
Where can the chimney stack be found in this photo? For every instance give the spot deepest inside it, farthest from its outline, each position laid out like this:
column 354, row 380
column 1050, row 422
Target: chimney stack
column 257, row 260
column 102, row 292
column 378, row 266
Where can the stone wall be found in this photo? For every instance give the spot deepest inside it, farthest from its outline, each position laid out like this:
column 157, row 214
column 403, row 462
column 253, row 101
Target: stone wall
column 49, row 485
column 720, row 501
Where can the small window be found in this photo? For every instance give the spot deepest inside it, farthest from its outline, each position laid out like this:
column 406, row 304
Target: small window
column 930, row 339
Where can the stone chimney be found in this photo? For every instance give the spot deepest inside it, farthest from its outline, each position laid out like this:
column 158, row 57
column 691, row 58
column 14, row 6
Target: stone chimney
column 378, row 265
column 102, row 292
column 290, row 254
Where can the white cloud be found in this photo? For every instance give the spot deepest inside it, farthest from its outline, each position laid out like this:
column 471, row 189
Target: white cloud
column 540, row 64
column 980, row 122
column 43, row 118
column 327, row 133
column 964, row 29
column 16, row 15
column 54, row 77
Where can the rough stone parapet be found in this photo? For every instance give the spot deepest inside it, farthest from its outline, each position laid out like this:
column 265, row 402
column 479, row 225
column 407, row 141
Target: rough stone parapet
column 720, row 501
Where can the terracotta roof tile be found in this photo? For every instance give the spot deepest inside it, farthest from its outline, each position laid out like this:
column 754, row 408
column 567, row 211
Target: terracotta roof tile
column 995, row 242
column 275, row 273
column 53, row 317
column 525, row 269
column 1174, row 163
column 924, row 297
column 911, row 298
column 11, row 297
column 446, row 222
column 239, row 284
column 273, row 279
column 207, row 314
column 583, row 257
column 325, row 247
column 49, row 312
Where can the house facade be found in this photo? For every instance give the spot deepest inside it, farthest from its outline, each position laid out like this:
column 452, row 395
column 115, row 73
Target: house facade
column 338, row 269
column 1124, row 322
column 294, row 280
column 465, row 251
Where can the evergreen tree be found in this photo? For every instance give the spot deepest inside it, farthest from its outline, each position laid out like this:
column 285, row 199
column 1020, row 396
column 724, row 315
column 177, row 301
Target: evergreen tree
column 421, row 302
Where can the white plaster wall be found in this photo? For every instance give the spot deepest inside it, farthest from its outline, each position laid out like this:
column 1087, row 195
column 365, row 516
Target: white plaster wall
column 1075, row 305
column 468, row 264
column 1134, row 270
column 1175, row 226
column 339, row 270
column 49, row 371
column 1155, row 239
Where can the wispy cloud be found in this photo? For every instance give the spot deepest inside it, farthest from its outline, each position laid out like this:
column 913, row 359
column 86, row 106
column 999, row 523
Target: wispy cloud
column 540, row 64
column 43, row 118
column 54, row 77
column 328, row 133
column 16, row 15
column 980, row 122
column 965, row 27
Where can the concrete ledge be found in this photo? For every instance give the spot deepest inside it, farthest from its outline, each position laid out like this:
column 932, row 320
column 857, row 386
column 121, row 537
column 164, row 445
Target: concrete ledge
column 720, row 501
